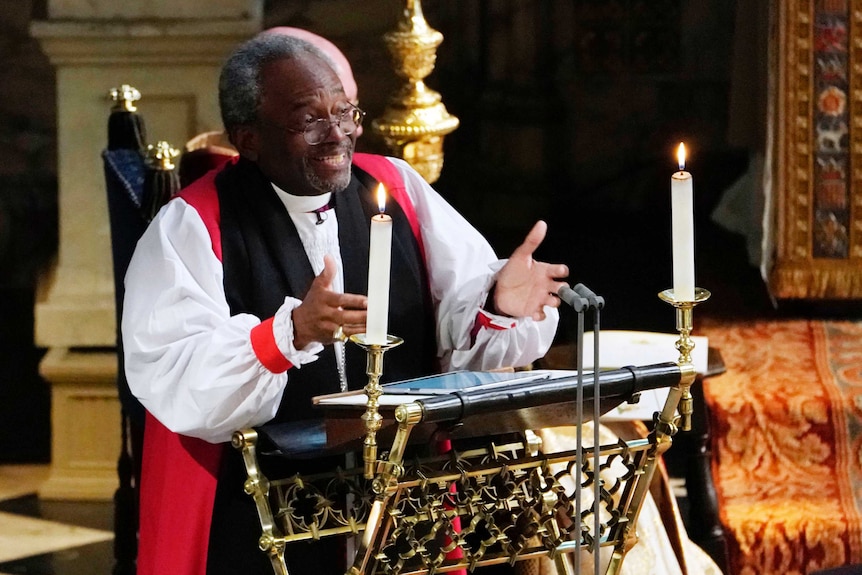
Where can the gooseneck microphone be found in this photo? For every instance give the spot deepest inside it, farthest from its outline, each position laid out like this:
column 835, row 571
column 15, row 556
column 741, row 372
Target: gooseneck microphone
column 572, row 298
column 595, row 301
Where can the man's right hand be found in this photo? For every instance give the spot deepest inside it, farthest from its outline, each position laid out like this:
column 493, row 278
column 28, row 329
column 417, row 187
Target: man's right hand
column 322, row 311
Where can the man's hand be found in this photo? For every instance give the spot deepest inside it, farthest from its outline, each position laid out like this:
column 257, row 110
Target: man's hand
column 322, row 311
column 524, row 286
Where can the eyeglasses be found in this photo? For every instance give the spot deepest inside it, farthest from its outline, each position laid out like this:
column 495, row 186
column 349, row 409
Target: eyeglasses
column 316, row 131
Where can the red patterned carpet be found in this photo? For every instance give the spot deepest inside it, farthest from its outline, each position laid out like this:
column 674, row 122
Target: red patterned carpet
column 786, row 424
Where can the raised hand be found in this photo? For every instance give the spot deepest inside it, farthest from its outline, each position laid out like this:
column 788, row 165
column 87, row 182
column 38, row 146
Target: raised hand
column 322, row 311
column 524, row 286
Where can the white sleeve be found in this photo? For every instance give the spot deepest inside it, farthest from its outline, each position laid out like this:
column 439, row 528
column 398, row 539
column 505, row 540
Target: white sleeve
column 461, row 269
column 189, row 362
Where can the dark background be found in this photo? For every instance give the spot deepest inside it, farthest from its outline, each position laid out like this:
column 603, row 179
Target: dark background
column 571, row 111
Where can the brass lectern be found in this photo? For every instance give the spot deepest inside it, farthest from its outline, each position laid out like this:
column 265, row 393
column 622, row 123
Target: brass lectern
column 497, row 502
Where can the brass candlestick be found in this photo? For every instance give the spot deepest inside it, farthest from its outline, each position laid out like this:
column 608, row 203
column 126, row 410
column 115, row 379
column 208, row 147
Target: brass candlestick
column 372, row 417
column 680, row 397
column 667, row 423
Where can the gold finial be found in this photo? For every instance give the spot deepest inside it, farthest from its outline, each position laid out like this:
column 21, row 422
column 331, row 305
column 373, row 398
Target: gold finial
column 161, row 155
column 415, row 121
column 124, row 97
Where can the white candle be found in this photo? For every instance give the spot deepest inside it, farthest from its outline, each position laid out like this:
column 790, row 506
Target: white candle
column 682, row 227
column 379, row 262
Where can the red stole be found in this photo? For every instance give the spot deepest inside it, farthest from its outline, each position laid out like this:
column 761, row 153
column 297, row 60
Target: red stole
column 179, row 473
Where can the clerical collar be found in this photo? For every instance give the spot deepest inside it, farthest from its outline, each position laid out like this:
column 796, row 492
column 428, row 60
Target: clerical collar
column 300, row 204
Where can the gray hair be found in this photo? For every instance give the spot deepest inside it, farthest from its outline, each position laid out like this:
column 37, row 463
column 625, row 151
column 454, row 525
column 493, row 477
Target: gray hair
column 239, row 83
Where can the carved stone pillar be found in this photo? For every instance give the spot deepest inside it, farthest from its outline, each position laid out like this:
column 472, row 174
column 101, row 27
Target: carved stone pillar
column 172, row 52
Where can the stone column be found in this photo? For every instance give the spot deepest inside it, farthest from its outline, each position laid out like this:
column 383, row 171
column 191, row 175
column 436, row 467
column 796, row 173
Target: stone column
column 172, row 52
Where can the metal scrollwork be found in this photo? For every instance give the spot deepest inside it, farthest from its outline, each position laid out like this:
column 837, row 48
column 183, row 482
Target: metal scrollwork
column 498, row 504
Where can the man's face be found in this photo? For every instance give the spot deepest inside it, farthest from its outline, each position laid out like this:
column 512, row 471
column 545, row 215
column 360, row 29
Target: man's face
column 294, row 93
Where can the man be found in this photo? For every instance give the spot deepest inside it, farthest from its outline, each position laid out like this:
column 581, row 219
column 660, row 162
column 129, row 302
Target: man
column 211, row 150
column 241, row 290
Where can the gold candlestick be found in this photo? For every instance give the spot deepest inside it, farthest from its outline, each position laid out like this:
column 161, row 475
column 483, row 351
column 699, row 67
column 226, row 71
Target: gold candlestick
column 373, row 390
column 681, row 399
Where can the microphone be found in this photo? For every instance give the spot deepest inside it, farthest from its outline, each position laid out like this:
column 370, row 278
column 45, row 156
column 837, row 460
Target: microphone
column 595, row 301
column 575, row 300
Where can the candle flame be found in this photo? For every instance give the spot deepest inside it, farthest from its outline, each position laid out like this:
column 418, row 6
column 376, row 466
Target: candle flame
column 381, row 198
column 680, row 156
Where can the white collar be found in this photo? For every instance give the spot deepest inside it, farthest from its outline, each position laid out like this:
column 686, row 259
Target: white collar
column 299, row 204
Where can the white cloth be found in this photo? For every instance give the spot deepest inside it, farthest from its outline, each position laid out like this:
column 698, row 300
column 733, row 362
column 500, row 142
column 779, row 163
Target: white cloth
column 192, row 365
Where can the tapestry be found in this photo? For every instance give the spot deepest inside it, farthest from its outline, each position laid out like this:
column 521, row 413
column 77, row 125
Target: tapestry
column 786, row 430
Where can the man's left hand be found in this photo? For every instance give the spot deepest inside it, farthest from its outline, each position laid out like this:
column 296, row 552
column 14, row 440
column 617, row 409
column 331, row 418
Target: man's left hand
column 524, row 286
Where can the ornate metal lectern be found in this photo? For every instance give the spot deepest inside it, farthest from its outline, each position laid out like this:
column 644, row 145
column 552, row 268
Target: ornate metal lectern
column 495, row 503
column 500, row 502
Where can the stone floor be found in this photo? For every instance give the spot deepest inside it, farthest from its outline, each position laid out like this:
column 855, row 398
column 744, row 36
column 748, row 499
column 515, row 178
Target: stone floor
column 39, row 537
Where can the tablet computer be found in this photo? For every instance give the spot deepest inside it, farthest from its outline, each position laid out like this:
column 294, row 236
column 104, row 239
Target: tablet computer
column 460, row 380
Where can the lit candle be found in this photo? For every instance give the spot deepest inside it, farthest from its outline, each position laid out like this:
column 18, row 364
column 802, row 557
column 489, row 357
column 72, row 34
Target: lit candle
column 379, row 261
column 682, row 227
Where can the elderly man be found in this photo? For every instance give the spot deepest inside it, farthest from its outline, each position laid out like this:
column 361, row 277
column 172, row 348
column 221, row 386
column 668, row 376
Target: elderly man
column 242, row 287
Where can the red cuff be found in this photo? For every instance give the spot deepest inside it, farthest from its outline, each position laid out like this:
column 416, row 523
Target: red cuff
column 266, row 350
column 485, row 321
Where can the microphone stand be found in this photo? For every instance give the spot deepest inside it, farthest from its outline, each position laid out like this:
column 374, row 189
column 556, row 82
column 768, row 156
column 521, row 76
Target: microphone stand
column 581, row 298
column 580, row 305
column 596, row 303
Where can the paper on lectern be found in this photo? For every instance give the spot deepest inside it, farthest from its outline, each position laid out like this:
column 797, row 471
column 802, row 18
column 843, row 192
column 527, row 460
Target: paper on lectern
column 619, row 348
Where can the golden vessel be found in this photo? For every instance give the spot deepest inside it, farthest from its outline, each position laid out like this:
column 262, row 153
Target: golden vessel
column 415, row 121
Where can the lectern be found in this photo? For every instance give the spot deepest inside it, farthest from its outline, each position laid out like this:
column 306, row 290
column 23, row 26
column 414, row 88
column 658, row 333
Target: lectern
column 497, row 500
column 503, row 501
